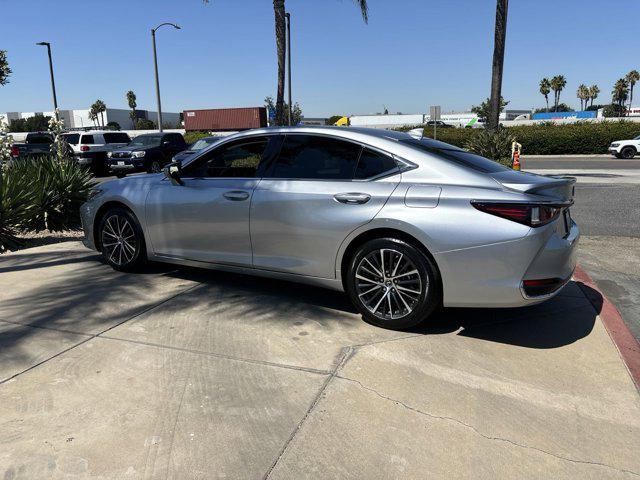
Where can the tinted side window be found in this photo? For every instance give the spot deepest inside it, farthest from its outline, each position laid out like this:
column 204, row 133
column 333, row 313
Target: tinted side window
column 237, row 159
column 72, row 138
column 308, row 156
column 373, row 164
column 87, row 140
column 116, row 138
column 178, row 139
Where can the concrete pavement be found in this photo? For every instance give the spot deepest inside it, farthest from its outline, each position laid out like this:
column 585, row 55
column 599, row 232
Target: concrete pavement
column 184, row 373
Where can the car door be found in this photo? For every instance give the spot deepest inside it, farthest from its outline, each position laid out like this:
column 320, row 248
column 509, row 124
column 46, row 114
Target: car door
column 207, row 218
column 317, row 191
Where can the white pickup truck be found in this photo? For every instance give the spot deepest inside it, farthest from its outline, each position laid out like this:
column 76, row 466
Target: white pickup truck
column 625, row 148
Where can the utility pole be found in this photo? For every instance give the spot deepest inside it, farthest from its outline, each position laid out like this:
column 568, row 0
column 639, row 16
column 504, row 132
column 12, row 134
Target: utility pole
column 155, row 66
column 288, row 17
column 53, row 82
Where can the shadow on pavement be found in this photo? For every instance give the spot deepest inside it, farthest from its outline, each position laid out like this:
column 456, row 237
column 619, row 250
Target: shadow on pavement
column 91, row 297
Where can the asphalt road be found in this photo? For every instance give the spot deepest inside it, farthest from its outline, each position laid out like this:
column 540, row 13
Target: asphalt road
column 605, row 162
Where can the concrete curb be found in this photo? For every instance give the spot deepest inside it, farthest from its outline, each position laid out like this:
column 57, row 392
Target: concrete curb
column 625, row 342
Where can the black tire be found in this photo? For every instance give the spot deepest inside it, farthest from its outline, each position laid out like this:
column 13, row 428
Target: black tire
column 403, row 309
column 628, row 153
column 121, row 240
column 617, row 155
column 155, row 166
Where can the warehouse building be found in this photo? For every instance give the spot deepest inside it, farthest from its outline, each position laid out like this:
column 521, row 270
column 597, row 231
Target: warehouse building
column 79, row 118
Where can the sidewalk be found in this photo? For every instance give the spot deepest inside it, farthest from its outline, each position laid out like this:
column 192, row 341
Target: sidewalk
column 183, row 373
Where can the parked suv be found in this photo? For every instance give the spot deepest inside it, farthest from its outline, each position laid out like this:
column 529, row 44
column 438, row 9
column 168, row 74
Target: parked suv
column 148, row 152
column 91, row 148
column 626, row 149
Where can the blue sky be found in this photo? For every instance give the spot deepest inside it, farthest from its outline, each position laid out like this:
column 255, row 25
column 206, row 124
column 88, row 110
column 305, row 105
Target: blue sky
column 413, row 53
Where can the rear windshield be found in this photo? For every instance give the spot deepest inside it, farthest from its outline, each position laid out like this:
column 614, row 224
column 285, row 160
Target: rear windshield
column 38, row 138
column 455, row 155
column 72, row 138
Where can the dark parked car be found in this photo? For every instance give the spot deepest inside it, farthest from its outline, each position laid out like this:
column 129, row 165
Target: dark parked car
column 148, row 152
column 196, row 147
column 34, row 144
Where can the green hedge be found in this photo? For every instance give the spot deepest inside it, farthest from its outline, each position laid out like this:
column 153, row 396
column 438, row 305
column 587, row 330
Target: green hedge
column 193, row 137
column 553, row 139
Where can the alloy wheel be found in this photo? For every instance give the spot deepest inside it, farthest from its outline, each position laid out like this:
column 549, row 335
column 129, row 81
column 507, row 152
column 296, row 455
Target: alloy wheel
column 389, row 284
column 119, row 240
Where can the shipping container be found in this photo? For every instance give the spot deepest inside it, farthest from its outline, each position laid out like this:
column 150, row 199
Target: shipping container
column 225, row 119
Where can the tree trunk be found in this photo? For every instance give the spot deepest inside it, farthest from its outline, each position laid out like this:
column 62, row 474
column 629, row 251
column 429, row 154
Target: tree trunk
column 102, row 119
column 279, row 11
column 546, row 99
column 500, row 36
column 630, row 100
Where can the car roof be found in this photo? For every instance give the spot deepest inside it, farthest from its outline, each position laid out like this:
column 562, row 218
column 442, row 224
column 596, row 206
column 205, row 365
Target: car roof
column 359, row 134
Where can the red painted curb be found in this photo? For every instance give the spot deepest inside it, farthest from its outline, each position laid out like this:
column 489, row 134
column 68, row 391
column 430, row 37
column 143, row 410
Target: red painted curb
column 625, row 342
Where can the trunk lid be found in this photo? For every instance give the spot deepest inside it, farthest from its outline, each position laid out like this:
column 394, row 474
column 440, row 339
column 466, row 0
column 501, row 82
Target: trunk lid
column 555, row 188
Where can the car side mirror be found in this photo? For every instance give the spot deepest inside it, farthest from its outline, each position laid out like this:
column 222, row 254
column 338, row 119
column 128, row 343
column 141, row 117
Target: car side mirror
column 173, row 172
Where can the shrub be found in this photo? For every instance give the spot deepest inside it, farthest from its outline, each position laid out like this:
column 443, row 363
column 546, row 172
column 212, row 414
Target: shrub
column 193, row 137
column 56, row 189
column 495, row 145
column 552, row 139
column 15, row 207
column 113, row 125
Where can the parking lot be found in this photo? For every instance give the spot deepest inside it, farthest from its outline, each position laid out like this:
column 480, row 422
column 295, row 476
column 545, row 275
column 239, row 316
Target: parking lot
column 186, row 373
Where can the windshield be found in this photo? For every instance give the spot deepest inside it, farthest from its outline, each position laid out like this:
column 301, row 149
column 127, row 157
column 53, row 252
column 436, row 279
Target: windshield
column 202, row 143
column 146, row 141
column 637, row 138
column 455, row 155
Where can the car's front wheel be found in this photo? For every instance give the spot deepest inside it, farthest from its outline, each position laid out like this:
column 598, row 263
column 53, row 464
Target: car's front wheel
column 121, row 240
column 628, row 153
column 392, row 283
column 155, row 166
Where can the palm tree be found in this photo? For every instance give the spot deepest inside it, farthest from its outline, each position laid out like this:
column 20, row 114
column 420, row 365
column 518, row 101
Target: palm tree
column 279, row 12
column 557, row 84
column 93, row 114
column 583, row 94
column 545, row 90
column 131, row 100
column 593, row 93
column 499, row 39
column 620, row 93
column 99, row 107
column 632, row 77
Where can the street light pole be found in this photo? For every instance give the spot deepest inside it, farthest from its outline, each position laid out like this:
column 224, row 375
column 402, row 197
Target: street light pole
column 155, row 66
column 288, row 17
column 53, row 83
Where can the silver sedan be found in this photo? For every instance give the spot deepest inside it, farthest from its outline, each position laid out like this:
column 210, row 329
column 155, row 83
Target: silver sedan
column 402, row 224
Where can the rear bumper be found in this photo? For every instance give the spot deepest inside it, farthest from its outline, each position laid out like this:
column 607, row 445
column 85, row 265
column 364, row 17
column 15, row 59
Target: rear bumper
column 492, row 275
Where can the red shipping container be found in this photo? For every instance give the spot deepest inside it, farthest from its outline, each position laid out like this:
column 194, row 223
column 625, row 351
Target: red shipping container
column 225, row 119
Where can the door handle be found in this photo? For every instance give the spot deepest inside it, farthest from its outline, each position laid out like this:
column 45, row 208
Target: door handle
column 352, row 198
column 236, row 195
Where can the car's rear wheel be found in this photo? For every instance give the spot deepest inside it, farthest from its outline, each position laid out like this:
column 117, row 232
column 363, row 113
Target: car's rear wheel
column 628, row 153
column 121, row 240
column 392, row 283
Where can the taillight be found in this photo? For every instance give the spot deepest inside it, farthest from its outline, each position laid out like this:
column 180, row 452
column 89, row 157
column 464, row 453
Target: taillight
column 528, row 214
column 15, row 151
column 542, row 286
column 84, row 148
